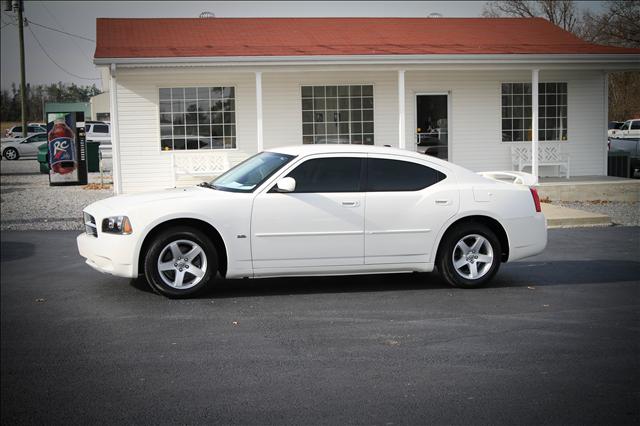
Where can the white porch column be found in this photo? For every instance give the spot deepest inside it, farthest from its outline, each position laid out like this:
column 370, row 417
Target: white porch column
column 259, row 110
column 534, row 124
column 402, row 143
column 115, row 132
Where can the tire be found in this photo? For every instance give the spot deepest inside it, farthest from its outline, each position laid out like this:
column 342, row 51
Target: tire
column 169, row 269
column 457, row 267
column 11, row 154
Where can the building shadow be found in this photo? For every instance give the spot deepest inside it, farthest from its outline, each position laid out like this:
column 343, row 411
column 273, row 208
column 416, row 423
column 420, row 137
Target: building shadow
column 15, row 250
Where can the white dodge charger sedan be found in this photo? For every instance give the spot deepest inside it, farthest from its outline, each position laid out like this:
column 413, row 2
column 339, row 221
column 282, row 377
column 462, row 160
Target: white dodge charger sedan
column 318, row 210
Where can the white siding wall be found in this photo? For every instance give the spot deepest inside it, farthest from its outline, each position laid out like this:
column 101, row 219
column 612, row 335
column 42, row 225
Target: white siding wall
column 282, row 104
column 143, row 165
column 475, row 122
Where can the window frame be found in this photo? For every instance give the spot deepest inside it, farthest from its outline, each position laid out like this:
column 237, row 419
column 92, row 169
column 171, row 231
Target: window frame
column 325, row 84
column 186, row 151
column 556, row 105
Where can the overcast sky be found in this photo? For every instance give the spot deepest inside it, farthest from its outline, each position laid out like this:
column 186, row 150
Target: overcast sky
column 75, row 54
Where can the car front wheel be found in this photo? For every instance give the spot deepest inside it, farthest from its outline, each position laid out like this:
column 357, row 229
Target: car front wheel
column 11, row 154
column 180, row 262
column 470, row 256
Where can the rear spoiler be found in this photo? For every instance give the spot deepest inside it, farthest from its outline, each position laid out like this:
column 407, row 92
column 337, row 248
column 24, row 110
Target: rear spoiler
column 518, row 178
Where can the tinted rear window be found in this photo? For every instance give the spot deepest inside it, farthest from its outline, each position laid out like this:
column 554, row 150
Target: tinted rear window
column 100, row 128
column 397, row 175
column 328, row 175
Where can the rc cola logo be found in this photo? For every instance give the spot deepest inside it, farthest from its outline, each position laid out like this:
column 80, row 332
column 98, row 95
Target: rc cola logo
column 61, row 148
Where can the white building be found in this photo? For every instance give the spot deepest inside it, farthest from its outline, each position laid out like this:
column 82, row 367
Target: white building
column 202, row 94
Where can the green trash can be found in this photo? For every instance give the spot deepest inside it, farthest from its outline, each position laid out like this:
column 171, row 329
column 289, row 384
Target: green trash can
column 43, row 158
column 93, row 157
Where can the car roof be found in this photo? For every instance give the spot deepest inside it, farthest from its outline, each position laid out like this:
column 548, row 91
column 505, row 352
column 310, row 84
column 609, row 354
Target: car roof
column 354, row 149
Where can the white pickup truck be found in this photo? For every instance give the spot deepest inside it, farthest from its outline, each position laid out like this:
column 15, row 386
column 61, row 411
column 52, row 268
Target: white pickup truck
column 630, row 129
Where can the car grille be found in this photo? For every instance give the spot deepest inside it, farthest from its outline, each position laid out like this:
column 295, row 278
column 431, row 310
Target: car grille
column 90, row 225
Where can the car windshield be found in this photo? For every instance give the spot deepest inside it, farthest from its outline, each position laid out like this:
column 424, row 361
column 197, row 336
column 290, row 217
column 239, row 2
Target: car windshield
column 248, row 175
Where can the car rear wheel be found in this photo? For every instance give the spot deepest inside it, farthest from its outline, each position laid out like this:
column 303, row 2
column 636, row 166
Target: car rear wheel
column 469, row 256
column 180, row 262
column 11, row 154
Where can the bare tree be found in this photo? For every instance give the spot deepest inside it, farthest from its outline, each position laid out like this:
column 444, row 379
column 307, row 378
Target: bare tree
column 559, row 12
column 619, row 25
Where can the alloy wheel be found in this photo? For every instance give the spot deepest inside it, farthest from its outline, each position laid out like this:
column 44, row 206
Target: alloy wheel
column 472, row 257
column 182, row 264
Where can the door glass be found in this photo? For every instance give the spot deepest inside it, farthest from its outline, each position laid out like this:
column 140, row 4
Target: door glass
column 432, row 132
column 395, row 175
column 328, row 175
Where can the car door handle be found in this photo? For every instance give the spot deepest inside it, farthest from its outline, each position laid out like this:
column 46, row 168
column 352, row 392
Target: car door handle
column 443, row 202
column 350, row 203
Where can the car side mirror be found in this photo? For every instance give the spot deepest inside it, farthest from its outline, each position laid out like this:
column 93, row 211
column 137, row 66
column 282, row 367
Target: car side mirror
column 287, row 184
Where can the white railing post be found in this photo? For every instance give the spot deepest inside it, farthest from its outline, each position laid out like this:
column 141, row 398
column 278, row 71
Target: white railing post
column 534, row 124
column 402, row 143
column 260, row 142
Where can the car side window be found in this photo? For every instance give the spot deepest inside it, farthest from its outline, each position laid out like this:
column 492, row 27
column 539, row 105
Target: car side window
column 397, row 175
column 39, row 138
column 328, row 175
column 100, row 128
column 635, row 125
column 625, row 126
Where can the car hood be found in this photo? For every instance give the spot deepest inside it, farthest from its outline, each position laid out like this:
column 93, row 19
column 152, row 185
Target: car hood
column 124, row 203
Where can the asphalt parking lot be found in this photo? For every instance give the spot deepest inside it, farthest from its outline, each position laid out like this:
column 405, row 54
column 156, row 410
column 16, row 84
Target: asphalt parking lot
column 554, row 340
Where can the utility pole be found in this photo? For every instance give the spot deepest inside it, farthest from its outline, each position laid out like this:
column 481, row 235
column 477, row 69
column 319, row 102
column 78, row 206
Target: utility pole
column 19, row 5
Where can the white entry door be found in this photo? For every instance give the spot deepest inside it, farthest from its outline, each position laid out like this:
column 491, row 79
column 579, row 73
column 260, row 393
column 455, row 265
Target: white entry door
column 320, row 224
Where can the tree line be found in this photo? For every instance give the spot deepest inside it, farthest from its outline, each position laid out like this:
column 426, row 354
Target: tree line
column 618, row 24
column 37, row 95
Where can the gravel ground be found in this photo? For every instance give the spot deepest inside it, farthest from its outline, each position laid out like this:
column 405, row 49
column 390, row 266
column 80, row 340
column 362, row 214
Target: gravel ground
column 621, row 213
column 27, row 202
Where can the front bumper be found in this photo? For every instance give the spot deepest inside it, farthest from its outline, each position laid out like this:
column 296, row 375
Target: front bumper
column 109, row 254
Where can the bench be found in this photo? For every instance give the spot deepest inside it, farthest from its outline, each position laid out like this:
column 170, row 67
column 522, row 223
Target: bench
column 549, row 154
column 199, row 163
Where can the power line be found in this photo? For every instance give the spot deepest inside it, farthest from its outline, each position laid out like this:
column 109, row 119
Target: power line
column 63, row 32
column 57, row 64
column 58, row 26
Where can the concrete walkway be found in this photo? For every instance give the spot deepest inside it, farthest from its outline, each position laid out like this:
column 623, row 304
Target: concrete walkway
column 563, row 217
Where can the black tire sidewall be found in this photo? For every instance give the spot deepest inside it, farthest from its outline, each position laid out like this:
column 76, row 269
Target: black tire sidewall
column 445, row 263
column 160, row 241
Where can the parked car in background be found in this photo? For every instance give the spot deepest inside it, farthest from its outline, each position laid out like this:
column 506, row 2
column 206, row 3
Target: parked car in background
column 15, row 149
column 614, row 125
column 16, row 131
column 629, row 147
column 97, row 131
column 44, row 125
column 298, row 211
column 629, row 129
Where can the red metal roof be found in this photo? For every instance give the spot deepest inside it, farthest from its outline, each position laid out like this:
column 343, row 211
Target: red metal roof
column 219, row 37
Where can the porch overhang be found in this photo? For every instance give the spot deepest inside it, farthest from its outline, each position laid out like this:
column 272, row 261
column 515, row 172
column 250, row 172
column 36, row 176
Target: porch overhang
column 610, row 62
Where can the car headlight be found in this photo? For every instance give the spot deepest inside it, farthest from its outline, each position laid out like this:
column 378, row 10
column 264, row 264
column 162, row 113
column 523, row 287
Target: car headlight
column 116, row 225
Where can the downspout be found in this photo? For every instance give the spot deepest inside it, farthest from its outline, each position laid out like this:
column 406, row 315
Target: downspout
column 115, row 132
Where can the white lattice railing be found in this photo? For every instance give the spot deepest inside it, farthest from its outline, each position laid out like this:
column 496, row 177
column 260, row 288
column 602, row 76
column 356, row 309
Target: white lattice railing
column 199, row 163
column 549, row 154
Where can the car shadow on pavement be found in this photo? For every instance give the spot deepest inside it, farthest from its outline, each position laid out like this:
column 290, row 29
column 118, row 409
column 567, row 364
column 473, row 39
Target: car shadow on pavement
column 518, row 274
